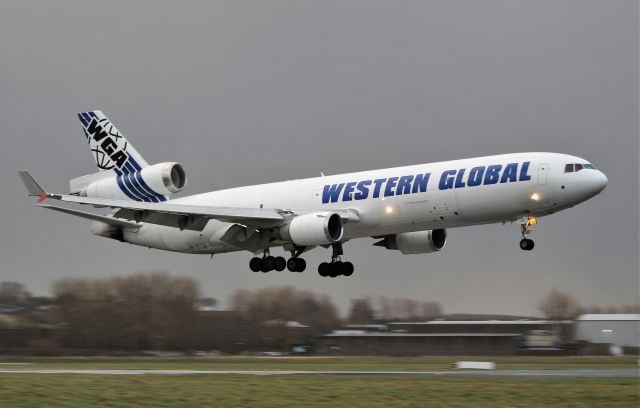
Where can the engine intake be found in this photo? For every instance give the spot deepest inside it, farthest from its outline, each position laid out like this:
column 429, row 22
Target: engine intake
column 165, row 178
column 418, row 242
column 320, row 228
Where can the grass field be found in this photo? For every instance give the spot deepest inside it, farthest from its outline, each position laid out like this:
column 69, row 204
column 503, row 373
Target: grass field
column 28, row 390
column 427, row 363
column 69, row 390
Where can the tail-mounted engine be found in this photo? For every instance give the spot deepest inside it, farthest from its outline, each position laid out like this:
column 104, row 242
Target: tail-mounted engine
column 419, row 242
column 152, row 183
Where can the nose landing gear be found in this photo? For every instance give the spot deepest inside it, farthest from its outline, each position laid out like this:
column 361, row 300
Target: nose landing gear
column 527, row 244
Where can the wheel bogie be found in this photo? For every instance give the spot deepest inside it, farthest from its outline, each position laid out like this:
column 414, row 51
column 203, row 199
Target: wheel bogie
column 335, row 269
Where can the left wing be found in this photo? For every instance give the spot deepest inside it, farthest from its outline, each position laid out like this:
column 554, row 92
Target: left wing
column 182, row 216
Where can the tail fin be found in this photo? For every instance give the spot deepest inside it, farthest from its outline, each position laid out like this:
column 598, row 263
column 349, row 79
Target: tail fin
column 110, row 149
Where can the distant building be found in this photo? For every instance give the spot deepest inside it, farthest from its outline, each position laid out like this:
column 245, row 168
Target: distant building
column 620, row 330
column 441, row 337
column 414, row 344
column 471, row 326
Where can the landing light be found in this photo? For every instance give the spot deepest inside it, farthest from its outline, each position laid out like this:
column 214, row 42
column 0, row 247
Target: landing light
column 535, row 197
column 388, row 209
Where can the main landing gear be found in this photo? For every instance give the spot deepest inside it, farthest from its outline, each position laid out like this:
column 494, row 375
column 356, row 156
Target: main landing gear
column 336, row 267
column 270, row 263
column 527, row 244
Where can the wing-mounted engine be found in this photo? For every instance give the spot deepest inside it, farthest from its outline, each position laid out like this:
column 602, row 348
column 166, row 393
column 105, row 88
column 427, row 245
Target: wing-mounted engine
column 319, row 228
column 419, row 242
column 151, row 183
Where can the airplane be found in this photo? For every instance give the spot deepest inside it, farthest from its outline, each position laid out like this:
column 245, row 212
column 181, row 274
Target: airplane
column 407, row 209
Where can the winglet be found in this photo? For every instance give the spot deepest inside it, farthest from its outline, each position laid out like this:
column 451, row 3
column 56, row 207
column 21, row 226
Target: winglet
column 32, row 186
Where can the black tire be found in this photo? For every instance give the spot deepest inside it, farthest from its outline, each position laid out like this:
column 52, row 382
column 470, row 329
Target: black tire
column 526, row 244
column 302, row 265
column 255, row 264
column 523, row 244
column 347, row 269
column 267, row 264
column 292, row 264
column 336, row 269
column 324, row 269
column 280, row 264
column 531, row 245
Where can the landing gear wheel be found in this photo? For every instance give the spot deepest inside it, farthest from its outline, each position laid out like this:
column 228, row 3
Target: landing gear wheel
column 255, row 264
column 296, row 264
column 336, row 269
column 324, row 269
column 526, row 244
column 347, row 269
column 268, row 264
column 280, row 264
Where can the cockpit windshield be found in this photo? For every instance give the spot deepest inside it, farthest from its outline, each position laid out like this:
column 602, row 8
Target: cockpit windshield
column 573, row 167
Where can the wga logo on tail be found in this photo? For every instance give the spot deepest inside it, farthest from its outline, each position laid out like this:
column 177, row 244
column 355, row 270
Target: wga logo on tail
column 108, row 146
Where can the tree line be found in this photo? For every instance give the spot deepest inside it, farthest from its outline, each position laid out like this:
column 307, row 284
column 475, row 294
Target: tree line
column 156, row 311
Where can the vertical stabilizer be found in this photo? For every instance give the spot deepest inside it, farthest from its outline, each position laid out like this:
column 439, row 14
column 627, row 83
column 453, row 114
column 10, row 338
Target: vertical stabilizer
column 110, row 149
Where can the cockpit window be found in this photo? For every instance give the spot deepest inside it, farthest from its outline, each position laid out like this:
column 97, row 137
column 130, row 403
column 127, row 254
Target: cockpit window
column 570, row 168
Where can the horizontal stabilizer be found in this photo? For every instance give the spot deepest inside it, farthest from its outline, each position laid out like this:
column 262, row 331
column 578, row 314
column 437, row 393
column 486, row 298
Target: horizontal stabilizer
column 93, row 217
column 32, row 186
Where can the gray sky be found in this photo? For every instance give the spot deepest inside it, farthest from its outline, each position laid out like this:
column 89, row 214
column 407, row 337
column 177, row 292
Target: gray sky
column 247, row 92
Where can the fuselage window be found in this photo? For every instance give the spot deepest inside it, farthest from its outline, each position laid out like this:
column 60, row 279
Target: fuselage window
column 568, row 168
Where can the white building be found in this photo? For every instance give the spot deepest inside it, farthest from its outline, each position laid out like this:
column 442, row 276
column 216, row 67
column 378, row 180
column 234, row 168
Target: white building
column 621, row 330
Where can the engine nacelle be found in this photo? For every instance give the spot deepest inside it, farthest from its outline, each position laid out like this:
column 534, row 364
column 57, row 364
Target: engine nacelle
column 165, row 178
column 419, row 242
column 160, row 179
column 320, row 228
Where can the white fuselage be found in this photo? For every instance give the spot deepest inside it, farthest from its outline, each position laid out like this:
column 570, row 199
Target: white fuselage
column 397, row 200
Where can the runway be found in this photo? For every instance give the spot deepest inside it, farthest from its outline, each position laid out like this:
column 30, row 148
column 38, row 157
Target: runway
column 618, row 373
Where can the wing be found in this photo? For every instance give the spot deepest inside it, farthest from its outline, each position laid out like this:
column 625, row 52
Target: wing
column 182, row 216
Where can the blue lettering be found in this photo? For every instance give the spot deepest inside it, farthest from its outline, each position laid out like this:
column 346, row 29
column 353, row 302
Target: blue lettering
column 459, row 182
column 510, row 173
column 404, row 185
column 420, row 182
column 523, row 172
column 493, row 174
column 475, row 176
column 348, row 189
column 446, row 180
column 363, row 190
column 391, row 183
column 331, row 193
column 378, row 185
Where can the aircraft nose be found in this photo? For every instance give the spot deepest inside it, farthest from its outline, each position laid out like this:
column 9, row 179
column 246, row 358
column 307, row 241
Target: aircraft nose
column 600, row 181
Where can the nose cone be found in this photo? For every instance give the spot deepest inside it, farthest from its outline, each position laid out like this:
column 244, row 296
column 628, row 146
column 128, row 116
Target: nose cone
column 599, row 182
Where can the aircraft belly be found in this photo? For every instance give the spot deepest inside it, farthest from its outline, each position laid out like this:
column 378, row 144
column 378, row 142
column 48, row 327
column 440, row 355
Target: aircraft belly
column 172, row 239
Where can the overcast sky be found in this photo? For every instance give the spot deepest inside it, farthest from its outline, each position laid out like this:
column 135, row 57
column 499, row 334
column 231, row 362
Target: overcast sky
column 247, row 92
